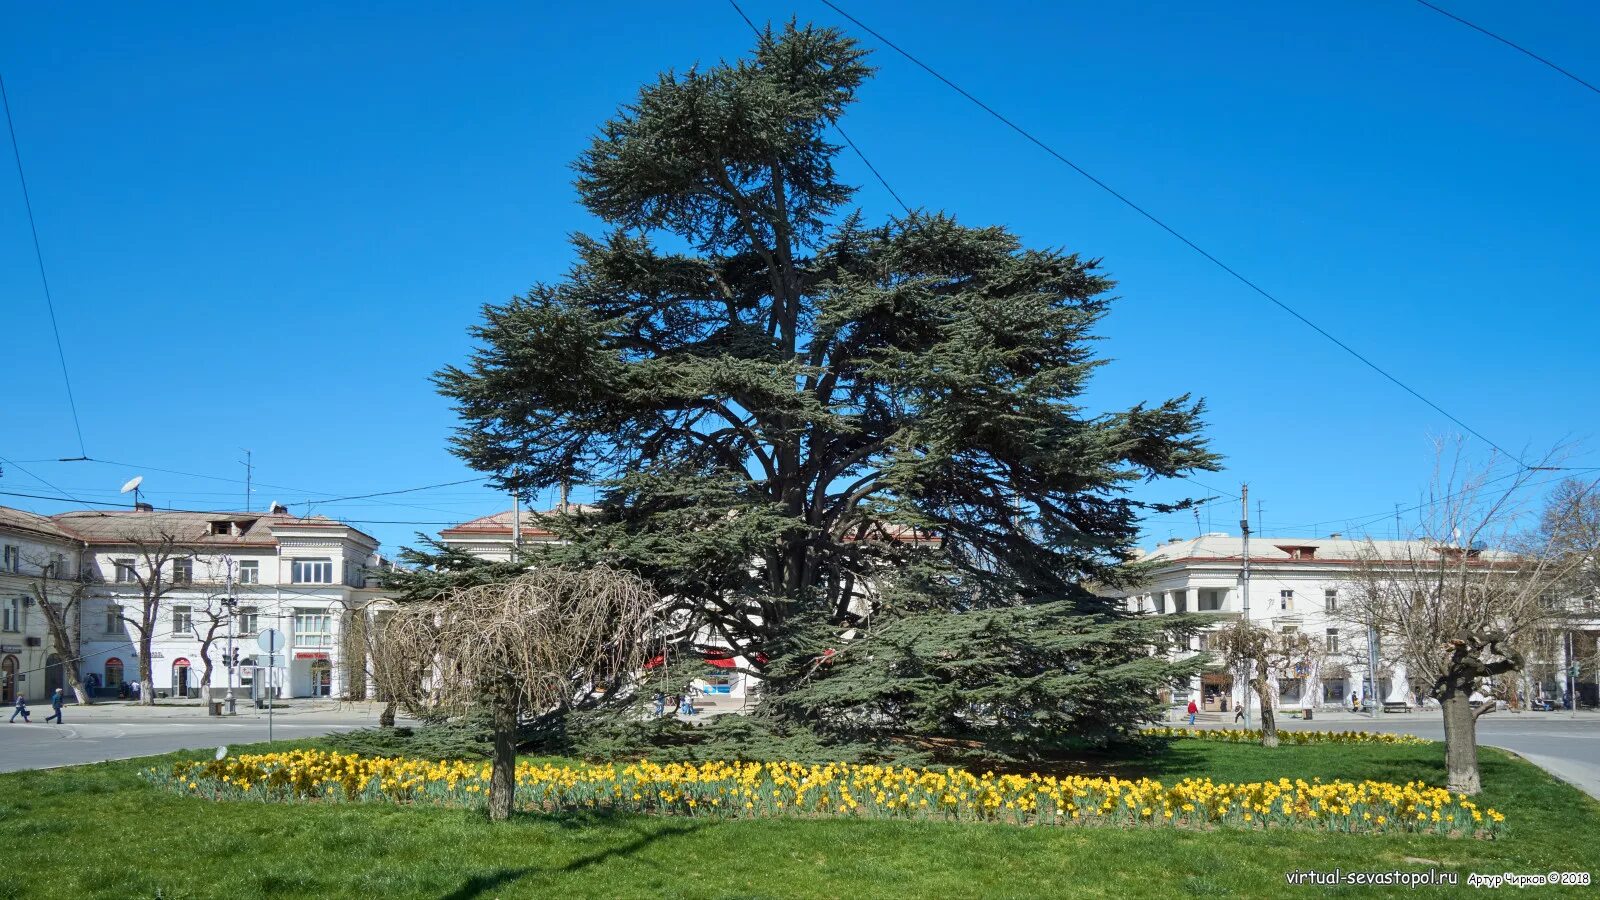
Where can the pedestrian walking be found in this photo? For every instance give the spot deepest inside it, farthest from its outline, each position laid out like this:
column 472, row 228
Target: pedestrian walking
column 1194, row 710
column 1355, row 702
column 21, row 710
column 55, row 707
column 661, row 704
column 1238, row 713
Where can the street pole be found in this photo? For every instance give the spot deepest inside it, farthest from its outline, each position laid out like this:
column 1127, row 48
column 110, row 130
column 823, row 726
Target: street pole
column 1244, row 529
column 232, row 604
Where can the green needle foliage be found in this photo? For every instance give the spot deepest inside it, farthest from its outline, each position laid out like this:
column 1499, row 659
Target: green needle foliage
column 854, row 453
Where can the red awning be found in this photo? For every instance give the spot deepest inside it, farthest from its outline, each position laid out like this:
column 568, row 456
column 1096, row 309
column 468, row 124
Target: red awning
column 721, row 662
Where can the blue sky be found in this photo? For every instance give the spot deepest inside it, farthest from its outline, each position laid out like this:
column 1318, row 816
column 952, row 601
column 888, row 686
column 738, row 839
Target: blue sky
column 265, row 225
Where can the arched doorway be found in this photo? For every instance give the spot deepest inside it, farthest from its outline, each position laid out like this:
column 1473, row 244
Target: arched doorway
column 8, row 680
column 114, row 679
column 55, row 674
column 180, row 677
column 321, row 678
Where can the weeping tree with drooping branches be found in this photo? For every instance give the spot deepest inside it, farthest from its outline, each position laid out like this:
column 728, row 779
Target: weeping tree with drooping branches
column 540, row 643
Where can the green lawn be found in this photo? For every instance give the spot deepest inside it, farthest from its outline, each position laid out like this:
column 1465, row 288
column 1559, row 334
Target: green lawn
column 100, row 831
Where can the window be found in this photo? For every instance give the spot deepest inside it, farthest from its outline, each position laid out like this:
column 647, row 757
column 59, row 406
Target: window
column 113, row 672
column 13, row 558
column 113, row 619
column 222, row 527
column 312, row 571
column 182, row 571
column 1211, row 600
column 125, row 572
column 1286, row 600
column 1204, row 641
column 247, row 620
column 250, row 571
column 1160, row 602
column 1333, row 640
column 1290, row 629
column 11, row 614
column 1180, row 601
column 313, row 628
column 182, row 620
column 1330, row 600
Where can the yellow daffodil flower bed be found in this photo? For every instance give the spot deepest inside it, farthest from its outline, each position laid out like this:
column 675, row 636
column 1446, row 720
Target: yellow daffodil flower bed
column 1253, row 736
column 764, row 790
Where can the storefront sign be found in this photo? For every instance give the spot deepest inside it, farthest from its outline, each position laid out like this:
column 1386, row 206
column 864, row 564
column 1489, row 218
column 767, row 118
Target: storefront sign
column 10, row 648
column 306, row 654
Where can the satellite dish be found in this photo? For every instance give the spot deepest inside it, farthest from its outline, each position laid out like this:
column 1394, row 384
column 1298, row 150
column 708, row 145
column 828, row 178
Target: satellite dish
column 133, row 484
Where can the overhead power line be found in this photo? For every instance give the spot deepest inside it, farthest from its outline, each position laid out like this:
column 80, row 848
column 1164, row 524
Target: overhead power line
column 38, row 255
column 426, row 487
column 836, row 126
column 1517, row 47
column 1158, row 222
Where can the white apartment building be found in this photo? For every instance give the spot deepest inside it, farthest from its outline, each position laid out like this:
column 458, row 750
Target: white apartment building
column 301, row 576
column 1295, row 585
column 37, row 553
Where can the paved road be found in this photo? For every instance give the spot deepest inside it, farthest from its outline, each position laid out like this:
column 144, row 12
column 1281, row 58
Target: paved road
column 1566, row 746
column 103, row 733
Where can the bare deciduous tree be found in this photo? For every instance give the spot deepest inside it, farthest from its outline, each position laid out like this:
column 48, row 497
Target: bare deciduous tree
column 1268, row 656
column 154, row 571
column 540, row 642
column 1457, row 613
column 61, row 618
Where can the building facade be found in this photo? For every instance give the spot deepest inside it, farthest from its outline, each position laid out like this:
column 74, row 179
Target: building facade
column 306, row 577
column 1298, row 585
column 38, row 555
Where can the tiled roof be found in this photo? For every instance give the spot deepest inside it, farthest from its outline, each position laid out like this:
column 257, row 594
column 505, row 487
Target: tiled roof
column 189, row 528
column 22, row 520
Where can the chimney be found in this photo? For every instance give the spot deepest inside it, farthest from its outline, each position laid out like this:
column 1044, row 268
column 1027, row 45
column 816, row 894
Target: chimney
column 142, row 506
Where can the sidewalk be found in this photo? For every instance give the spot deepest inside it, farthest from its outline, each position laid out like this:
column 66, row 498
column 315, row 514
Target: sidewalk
column 123, row 710
column 1342, row 719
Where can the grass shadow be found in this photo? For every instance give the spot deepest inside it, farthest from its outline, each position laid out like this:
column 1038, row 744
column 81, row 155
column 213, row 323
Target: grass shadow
column 479, row 885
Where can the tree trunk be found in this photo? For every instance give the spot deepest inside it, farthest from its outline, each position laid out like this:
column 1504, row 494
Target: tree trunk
column 1269, row 720
column 1460, row 742
column 502, row 779
column 147, row 693
column 76, row 683
column 205, row 683
column 386, row 718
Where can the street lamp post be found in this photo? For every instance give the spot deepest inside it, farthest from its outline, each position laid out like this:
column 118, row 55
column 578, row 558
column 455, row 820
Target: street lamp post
column 231, row 603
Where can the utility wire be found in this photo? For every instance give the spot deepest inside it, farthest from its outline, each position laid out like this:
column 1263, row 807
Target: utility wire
column 426, row 487
column 128, row 465
column 1169, row 230
column 837, row 127
column 47, row 484
column 38, row 255
column 1517, row 47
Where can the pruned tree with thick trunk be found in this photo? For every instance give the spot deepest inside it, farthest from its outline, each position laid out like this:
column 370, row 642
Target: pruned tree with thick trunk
column 1461, row 600
column 545, row 640
column 212, row 626
column 801, row 420
column 1268, row 656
